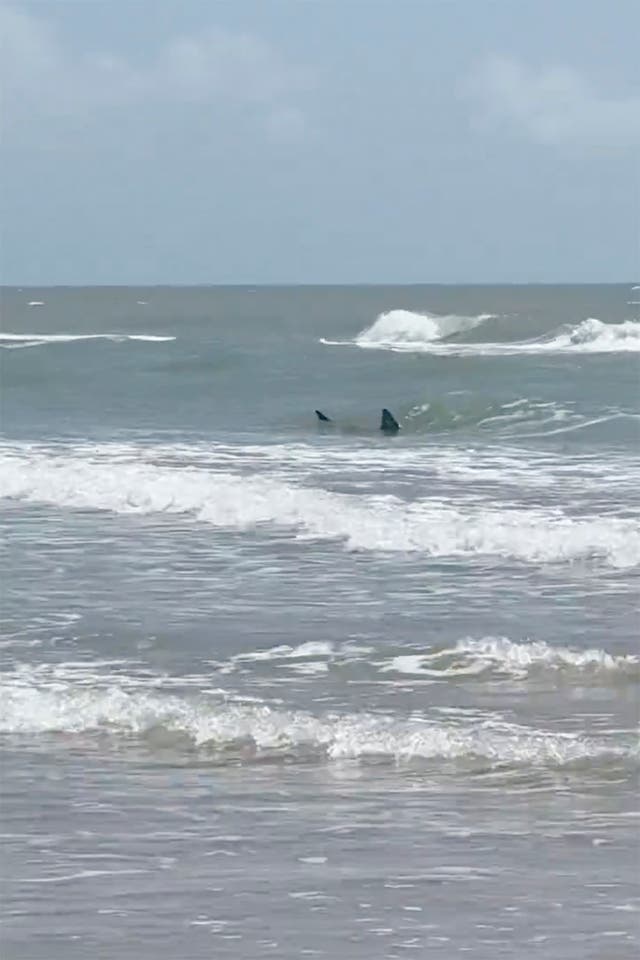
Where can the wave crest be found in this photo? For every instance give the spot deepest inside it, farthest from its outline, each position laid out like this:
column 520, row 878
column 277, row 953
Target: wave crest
column 404, row 329
column 519, row 661
column 255, row 731
column 594, row 336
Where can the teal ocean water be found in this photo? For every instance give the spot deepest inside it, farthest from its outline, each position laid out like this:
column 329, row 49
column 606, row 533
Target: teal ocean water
column 277, row 688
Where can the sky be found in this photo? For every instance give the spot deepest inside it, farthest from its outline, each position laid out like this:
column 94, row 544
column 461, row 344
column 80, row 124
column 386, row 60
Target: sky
column 335, row 141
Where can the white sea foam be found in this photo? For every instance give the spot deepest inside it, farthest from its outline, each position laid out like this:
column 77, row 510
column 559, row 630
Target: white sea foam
column 471, row 657
column 401, row 330
column 361, row 522
column 313, row 649
column 405, row 327
column 491, row 464
column 406, row 330
column 32, row 709
column 16, row 340
column 314, row 656
column 148, row 337
column 594, row 336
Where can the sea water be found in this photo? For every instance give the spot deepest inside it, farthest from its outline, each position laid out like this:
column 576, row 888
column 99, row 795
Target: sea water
column 273, row 688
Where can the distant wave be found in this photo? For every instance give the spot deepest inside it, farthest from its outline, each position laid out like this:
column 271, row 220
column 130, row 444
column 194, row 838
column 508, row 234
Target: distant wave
column 360, row 522
column 403, row 328
column 594, row 336
column 13, row 341
column 32, row 705
column 406, row 330
column 403, row 331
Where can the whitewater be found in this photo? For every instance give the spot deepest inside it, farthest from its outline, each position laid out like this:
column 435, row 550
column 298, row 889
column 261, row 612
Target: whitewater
column 13, row 341
column 430, row 525
column 403, row 330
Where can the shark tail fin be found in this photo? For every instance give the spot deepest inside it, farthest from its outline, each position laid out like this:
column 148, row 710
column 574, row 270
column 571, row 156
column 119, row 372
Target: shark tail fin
column 321, row 416
column 389, row 424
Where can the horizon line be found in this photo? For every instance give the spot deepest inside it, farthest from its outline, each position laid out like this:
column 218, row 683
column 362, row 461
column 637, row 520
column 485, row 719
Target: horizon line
column 307, row 284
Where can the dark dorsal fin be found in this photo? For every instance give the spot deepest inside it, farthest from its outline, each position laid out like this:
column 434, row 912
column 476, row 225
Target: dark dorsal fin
column 389, row 424
column 320, row 415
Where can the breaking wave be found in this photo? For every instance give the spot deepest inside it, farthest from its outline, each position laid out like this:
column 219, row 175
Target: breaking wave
column 406, row 330
column 401, row 330
column 381, row 523
column 486, row 658
column 258, row 731
column 14, row 341
column 519, row 661
column 594, row 336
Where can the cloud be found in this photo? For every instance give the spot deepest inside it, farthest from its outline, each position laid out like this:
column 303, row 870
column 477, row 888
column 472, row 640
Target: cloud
column 220, row 64
column 41, row 79
column 556, row 105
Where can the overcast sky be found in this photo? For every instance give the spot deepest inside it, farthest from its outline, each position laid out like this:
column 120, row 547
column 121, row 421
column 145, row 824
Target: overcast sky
column 152, row 141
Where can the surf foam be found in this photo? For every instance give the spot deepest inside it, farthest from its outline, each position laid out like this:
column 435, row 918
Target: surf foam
column 13, row 341
column 28, row 709
column 401, row 330
column 594, row 336
column 492, row 465
column 471, row 657
column 406, row 330
column 361, row 522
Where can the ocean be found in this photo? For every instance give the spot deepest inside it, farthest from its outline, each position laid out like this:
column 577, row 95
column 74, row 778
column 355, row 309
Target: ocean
column 273, row 688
